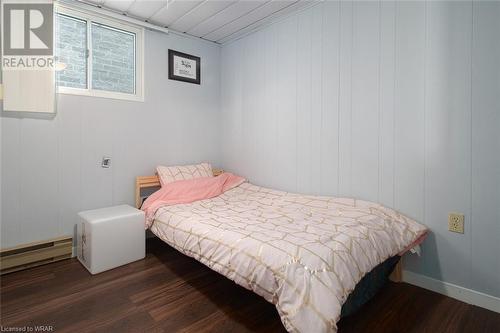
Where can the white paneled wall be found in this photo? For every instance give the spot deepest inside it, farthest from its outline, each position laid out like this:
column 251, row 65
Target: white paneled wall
column 51, row 165
column 485, row 127
column 394, row 102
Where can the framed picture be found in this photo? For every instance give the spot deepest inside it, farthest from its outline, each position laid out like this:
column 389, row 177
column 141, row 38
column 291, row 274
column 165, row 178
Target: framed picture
column 183, row 67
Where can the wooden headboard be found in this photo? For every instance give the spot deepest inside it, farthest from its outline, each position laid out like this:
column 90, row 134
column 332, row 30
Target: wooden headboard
column 143, row 182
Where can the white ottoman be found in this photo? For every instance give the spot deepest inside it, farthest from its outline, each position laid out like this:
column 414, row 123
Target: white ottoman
column 110, row 237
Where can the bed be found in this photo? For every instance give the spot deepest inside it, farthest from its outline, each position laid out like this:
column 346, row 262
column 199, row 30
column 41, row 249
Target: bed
column 315, row 258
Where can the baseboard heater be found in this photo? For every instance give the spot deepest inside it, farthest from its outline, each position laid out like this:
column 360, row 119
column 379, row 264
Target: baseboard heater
column 35, row 254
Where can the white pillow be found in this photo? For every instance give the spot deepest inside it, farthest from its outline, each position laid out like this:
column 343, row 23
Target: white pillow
column 182, row 172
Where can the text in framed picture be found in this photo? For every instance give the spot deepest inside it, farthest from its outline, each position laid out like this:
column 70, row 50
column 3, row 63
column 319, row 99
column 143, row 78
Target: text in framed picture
column 183, row 67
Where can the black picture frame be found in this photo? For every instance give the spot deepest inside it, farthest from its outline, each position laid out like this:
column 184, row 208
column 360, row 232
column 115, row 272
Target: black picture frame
column 172, row 76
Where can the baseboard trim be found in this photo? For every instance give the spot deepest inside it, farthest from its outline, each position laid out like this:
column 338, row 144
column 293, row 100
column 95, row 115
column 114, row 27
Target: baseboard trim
column 451, row 290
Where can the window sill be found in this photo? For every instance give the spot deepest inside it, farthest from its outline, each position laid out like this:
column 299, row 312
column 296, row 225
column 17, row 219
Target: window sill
column 100, row 93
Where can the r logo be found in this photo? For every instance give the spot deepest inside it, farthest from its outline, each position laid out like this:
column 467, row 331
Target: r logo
column 28, row 29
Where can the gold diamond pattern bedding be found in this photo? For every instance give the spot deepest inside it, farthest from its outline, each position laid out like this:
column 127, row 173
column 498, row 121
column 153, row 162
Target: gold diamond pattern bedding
column 305, row 254
column 182, row 172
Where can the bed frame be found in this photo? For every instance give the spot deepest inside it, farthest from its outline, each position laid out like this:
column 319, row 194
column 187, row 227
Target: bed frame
column 397, row 273
column 148, row 182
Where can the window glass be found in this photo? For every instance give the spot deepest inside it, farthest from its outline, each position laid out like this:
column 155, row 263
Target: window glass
column 71, row 52
column 113, row 59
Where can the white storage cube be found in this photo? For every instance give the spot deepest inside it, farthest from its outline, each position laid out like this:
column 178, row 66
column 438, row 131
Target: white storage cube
column 110, row 237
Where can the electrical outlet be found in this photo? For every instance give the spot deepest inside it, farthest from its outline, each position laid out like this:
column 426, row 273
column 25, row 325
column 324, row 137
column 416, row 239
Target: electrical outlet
column 106, row 162
column 456, row 222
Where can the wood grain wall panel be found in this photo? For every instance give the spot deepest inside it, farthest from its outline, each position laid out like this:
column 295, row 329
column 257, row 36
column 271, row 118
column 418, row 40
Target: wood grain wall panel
column 261, row 121
column 69, row 161
column 398, row 123
column 38, row 181
column 386, row 102
column 345, row 98
column 11, row 190
column 410, row 101
column 317, row 62
column 365, row 100
column 250, row 128
column 485, row 238
column 269, row 118
column 51, row 165
column 231, row 103
column 97, row 183
column 304, row 101
column 448, row 134
column 329, row 173
column 286, row 68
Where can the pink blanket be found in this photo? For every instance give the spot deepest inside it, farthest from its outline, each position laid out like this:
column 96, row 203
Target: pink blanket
column 187, row 191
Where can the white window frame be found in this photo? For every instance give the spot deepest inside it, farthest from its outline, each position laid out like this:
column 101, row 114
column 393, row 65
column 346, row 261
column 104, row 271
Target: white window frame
column 116, row 24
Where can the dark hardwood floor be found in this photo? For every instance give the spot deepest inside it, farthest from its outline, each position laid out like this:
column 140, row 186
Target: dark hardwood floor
column 168, row 292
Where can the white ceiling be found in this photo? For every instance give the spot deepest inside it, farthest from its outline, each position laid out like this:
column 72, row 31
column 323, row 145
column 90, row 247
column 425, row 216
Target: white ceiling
column 215, row 20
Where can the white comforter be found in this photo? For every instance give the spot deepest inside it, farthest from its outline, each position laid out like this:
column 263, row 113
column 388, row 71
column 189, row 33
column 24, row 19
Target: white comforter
column 305, row 254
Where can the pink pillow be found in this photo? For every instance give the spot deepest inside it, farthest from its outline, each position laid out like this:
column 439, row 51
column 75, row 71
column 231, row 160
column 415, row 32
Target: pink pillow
column 182, row 172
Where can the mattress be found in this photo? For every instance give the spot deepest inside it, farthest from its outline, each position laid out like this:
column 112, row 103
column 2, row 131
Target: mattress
column 305, row 254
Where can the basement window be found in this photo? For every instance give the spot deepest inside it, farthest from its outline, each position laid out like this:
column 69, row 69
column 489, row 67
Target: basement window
column 97, row 56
